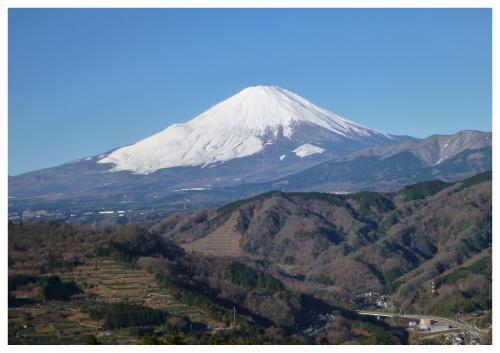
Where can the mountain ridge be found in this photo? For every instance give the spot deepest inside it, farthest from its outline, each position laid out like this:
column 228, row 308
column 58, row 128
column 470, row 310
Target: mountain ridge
column 395, row 242
column 464, row 154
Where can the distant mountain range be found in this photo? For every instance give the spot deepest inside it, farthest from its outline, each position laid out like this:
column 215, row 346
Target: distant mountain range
column 448, row 158
column 263, row 138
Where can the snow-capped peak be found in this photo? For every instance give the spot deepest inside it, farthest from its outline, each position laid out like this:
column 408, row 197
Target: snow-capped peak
column 260, row 107
column 237, row 127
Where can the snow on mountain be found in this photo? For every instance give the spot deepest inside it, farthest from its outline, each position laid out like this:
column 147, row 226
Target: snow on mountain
column 240, row 126
column 307, row 150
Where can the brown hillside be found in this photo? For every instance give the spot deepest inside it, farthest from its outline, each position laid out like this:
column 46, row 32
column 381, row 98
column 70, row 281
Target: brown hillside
column 390, row 242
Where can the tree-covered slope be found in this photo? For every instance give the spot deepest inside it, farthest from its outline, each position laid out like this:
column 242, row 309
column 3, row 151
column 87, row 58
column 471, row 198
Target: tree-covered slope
column 338, row 245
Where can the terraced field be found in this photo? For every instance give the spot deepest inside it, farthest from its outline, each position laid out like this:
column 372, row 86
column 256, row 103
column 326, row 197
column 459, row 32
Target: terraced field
column 50, row 324
column 111, row 281
column 102, row 280
column 223, row 241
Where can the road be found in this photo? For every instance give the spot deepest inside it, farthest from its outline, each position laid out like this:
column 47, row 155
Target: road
column 473, row 330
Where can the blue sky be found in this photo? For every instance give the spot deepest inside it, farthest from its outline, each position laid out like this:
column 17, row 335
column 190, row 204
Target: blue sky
column 83, row 81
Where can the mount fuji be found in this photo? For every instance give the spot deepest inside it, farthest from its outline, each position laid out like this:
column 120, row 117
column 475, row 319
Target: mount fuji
column 256, row 119
column 263, row 138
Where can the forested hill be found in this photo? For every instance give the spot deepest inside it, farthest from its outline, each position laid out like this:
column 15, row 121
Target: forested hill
column 338, row 245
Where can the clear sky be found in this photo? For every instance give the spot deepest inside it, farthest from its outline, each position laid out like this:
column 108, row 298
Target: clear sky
column 84, row 81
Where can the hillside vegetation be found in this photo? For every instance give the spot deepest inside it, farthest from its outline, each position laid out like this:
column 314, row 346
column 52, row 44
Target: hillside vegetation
column 290, row 275
column 72, row 284
column 335, row 246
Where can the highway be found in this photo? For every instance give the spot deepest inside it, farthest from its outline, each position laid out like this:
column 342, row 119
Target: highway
column 473, row 330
